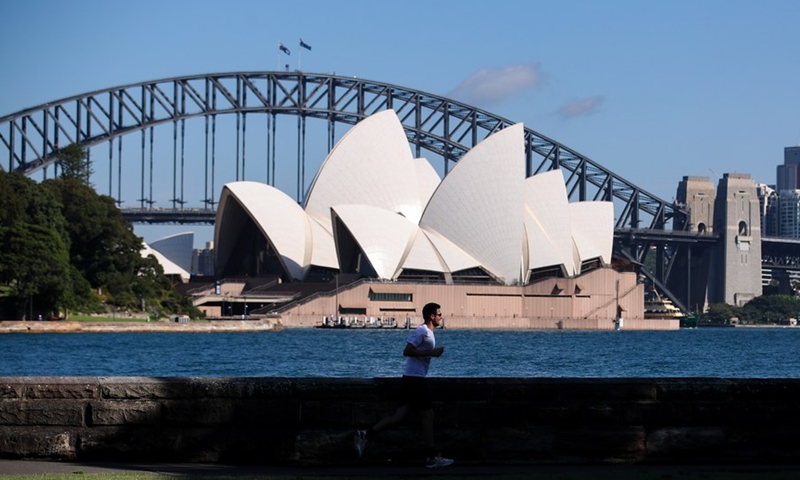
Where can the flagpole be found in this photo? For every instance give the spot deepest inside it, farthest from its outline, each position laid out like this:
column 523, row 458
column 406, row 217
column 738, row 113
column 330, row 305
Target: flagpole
column 300, row 56
column 300, row 48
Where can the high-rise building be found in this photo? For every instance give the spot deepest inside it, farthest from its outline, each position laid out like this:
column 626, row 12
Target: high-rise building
column 203, row 260
column 788, row 177
column 769, row 206
column 789, row 213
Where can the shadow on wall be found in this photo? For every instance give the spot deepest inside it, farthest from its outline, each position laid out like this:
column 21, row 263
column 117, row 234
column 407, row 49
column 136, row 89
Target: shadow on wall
column 311, row 421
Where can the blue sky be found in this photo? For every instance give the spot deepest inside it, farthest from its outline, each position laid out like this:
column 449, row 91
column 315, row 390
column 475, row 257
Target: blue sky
column 651, row 90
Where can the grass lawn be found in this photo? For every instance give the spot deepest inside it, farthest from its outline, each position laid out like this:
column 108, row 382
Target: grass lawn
column 543, row 473
column 74, row 317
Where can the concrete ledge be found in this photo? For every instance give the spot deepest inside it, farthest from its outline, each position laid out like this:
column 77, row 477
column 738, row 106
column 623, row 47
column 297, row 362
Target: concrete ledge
column 277, row 421
column 63, row 326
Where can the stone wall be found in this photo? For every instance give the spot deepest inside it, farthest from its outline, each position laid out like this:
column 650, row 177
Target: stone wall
column 480, row 420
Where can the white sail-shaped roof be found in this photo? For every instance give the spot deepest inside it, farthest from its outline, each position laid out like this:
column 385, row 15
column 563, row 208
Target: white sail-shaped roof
column 423, row 255
column 455, row 259
column 324, row 248
column 384, row 237
column 371, row 165
column 540, row 250
column 548, row 223
column 177, row 248
column 394, row 209
column 478, row 205
column 170, row 268
column 426, row 181
column 279, row 218
column 593, row 229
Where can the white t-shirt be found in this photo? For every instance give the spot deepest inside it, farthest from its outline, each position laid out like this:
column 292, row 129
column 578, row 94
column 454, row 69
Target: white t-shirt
column 423, row 339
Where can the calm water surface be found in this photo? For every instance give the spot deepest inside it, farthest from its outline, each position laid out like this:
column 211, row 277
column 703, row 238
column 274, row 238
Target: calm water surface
column 728, row 352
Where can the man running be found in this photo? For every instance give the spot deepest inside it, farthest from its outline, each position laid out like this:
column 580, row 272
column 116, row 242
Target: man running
column 420, row 348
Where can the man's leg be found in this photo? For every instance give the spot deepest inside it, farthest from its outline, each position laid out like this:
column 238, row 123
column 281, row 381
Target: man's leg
column 427, row 430
column 363, row 435
column 391, row 420
column 434, row 459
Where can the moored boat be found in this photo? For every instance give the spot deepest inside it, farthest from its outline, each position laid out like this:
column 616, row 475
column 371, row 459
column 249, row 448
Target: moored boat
column 657, row 307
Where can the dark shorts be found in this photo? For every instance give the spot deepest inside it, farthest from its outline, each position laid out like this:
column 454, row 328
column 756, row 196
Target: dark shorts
column 416, row 393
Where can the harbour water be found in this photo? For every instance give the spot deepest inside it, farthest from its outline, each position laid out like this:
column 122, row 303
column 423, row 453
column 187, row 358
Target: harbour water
column 704, row 352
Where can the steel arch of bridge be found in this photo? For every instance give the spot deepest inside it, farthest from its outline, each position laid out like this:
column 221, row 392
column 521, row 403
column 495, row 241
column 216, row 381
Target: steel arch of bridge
column 432, row 123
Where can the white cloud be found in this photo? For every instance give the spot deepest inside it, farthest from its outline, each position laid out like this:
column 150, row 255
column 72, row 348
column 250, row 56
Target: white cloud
column 490, row 87
column 585, row 106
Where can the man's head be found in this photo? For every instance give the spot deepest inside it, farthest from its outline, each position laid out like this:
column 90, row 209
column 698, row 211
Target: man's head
column 431, row 312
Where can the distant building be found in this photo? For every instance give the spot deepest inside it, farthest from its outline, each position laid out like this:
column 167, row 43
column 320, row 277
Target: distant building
column 780, row 204
column 788, row 177
column 769, row 206
column 789, row 213
column 203, row 260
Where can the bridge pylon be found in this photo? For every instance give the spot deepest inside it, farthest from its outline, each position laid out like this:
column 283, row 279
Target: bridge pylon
column 697, row 195
column 736, row 265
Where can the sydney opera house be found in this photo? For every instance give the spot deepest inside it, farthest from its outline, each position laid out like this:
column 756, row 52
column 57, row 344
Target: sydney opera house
column 383, row 234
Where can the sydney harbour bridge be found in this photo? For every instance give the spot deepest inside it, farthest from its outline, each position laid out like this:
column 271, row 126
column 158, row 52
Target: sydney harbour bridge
column 164, row 148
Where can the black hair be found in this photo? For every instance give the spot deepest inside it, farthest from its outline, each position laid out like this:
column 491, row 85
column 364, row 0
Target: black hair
column 429, row 309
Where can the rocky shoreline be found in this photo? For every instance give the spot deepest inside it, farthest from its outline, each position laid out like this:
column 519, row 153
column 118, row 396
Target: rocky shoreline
column 21, row 326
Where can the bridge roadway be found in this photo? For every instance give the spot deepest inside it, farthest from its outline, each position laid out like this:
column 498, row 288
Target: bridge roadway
column 183, row 216
column 778, row 253
column 207, row 216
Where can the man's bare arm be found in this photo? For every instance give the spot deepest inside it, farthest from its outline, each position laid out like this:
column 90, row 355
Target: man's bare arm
column 412, row 351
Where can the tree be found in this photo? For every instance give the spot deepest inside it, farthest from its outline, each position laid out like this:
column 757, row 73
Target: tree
column 771, row 308
column 23, row 201
column 102, row 243
column 61, row 243
column 104, row 248
column 720, row 313
column 34, row 262
column 74, row 163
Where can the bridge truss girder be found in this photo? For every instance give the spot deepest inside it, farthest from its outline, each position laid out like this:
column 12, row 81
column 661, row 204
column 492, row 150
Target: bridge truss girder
column 432, row 123
column 676, row 263
column 780, row 253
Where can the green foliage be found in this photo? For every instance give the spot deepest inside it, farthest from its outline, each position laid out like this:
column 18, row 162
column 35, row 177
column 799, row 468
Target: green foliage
column 23, row 201
column 63, row 246
column 766, row 309
column 771, row 309
column 34, row 261
column 74, row 163
column 719, row 313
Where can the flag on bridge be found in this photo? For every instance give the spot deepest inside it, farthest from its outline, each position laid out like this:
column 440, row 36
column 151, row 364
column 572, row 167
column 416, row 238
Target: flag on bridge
column 305, row 45
column 283, row 48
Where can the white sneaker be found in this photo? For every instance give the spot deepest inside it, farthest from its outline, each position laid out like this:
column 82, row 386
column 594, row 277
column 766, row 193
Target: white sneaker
column 360, row 441
column 438, row 461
